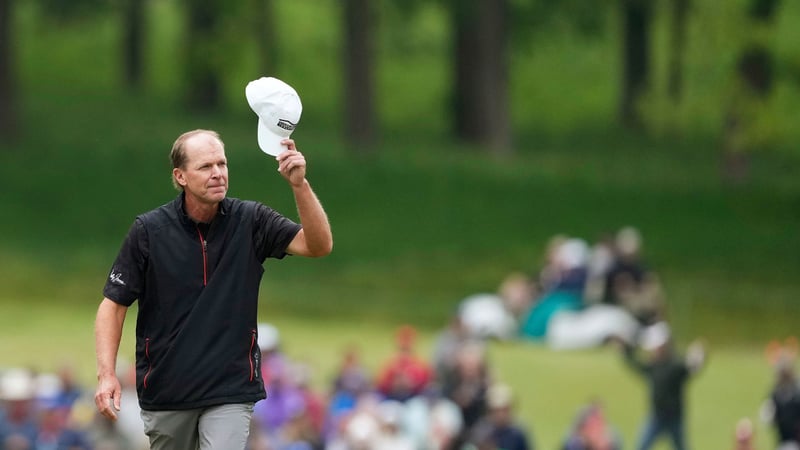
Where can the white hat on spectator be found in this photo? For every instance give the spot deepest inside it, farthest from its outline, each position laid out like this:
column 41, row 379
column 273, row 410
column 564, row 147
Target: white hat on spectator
column 268, row 337
column 17, row 385
column 390, row 412
column 48, row 386
column 655, row 336
column 573, row 253
column 499, row 396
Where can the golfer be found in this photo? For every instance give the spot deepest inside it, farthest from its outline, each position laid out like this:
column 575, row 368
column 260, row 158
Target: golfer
column 195, row 266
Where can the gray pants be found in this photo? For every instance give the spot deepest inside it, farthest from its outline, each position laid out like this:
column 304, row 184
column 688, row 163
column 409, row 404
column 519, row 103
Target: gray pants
column 218, row 427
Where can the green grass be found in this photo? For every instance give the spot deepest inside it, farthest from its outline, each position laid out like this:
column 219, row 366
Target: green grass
column 550, row 386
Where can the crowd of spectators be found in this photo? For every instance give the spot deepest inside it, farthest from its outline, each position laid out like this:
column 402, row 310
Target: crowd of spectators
column 581, row 296
column 578, row 297
column 412, row 402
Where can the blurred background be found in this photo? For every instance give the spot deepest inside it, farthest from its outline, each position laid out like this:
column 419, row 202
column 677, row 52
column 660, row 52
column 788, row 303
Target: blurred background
column 456, row 145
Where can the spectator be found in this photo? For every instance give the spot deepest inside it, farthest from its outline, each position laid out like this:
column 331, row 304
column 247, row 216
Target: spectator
column 518, row 291
column 624, row 281
column 358, row 430
column 782, row 408
column 498, row 429
column 550, row 272
column 497, row 315
column 18, row 427
column 433, row 421
column 601, row 260
column 352, row 378
column 284, row 400
column 445, row 350
column 591, row 431
column 310, row 424
column 351, row 382
column 404, row 375
column 55, row 431
column 70, row 390
column 294, row 434
column 744, row 435
column 563, row 290
column 485, row 316
column 391, row 435
column 469, row 385
column 666, row 374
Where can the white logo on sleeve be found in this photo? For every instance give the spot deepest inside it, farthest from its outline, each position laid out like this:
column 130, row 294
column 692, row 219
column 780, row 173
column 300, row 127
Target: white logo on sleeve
column 116, row 278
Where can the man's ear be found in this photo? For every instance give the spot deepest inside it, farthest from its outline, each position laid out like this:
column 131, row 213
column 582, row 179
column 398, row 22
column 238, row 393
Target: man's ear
column 178, row 175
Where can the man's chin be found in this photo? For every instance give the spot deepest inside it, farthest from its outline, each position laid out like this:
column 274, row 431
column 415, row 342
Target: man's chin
column 217, row 195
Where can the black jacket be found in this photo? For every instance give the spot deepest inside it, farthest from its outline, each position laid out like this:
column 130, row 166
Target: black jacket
column 197, row 286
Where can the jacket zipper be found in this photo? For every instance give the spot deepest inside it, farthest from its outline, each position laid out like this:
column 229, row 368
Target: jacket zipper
column 204, row 244
column 149, row 364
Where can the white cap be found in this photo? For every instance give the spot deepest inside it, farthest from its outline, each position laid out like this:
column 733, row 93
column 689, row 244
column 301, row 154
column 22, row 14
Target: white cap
column 573, row 253
column 655, row 336
column 498, row 396
column 268, row 337
column 278, row 108
column 17, row 384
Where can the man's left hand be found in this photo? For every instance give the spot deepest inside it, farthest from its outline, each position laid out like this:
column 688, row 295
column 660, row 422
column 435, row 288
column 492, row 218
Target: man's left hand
column 292, row 164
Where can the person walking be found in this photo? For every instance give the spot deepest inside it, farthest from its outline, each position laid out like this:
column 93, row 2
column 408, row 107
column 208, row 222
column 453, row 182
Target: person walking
column 195, row 266
column 667, row 374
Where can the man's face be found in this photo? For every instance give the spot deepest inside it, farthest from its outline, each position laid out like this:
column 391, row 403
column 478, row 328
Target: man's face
column 205, row 174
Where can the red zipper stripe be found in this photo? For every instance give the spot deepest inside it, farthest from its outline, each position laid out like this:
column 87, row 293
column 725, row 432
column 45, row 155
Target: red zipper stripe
column 149, row 364
column 205, row 257
column 250, row 358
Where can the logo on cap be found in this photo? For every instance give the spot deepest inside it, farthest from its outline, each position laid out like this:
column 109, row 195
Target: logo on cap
column 286, row 125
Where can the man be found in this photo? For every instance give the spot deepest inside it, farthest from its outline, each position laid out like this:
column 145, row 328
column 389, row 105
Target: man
column 503, row 430
column 667, row 374
column 782, row 407
column 195, row 265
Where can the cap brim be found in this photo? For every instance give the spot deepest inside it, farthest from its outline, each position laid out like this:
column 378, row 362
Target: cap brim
column 269, row 142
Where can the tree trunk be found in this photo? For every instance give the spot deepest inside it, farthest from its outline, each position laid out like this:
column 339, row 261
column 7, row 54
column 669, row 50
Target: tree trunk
column 133, row 42
column 636, row 21
column 677, row 48
column 755, row 79
column 266, row 42
column 359, row 89
column 481, row 109
column 203, row 83
column 8, row 105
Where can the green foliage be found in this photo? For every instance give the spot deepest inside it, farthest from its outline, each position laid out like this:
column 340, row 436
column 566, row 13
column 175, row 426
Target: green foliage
column 573, row 173
column 74, row 11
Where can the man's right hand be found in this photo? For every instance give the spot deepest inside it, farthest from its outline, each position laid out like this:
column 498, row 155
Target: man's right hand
column 108, row 396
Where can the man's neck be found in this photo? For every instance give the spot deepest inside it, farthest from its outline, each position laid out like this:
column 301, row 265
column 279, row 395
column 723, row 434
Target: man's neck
column 200, row 212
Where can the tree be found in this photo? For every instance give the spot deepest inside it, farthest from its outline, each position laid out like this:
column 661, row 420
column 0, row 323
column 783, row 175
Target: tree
column 8, row 105
column 677, row 48
column 359, row 83
column 203, row 55
column 133, row 42
column 263, row 20
column 744, row 129
column 480, row 73
column 636, row 23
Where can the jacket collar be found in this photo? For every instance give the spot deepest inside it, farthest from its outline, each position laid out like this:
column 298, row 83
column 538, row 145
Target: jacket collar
column 180, row 202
